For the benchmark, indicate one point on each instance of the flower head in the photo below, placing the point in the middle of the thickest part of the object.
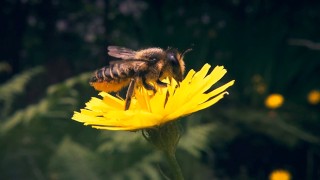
(148, 110)
(314, 97)
(280, 175)
(274, 101)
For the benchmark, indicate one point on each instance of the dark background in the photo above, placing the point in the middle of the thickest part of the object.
(50, 48)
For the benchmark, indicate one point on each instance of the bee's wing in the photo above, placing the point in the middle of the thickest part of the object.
(129, 61)
(121, 52)
(130, 65)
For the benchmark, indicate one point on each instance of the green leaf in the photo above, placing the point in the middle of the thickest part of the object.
(73, 161)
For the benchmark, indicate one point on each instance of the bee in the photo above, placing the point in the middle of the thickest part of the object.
(146, 67)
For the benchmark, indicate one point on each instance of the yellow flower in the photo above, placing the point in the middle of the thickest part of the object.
(280, 175)
(168, 104)
(274, 101)
(314, 97)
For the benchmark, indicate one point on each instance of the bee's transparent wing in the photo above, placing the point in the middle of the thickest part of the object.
(129, 65)
(121, 52)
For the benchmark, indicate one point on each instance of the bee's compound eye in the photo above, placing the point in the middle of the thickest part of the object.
(172, 58)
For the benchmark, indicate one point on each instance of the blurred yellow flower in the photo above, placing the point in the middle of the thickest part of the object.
(168, 104)
(314, 97)
(280, 175)
(274, 101)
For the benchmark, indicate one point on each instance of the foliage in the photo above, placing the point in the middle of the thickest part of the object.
(16, 86)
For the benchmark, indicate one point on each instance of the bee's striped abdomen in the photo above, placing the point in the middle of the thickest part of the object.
(111, 78)
(103, 74)
(99, 75)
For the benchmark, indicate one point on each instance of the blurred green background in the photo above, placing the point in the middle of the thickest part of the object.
(49, 48)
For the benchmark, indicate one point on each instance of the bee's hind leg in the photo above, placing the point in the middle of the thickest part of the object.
(129, 94)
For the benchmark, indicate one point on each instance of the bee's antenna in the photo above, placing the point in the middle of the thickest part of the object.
(185, 52)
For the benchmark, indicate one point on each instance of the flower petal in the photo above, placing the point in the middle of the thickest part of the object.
(108, 99)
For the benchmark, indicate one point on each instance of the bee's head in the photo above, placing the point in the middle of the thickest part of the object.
(175, 59)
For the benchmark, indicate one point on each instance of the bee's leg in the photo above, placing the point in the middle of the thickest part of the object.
(148, 86)
(118, 96)
(161, 84)
(166, 100)
(129, 94)
(178, 84)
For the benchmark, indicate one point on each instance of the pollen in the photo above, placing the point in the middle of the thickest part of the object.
(111, 86)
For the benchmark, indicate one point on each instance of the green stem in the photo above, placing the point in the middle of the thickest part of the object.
(174, 166)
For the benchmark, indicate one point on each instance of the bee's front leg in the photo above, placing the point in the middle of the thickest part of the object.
(129, 94)
(161, 84)
(148, 86)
